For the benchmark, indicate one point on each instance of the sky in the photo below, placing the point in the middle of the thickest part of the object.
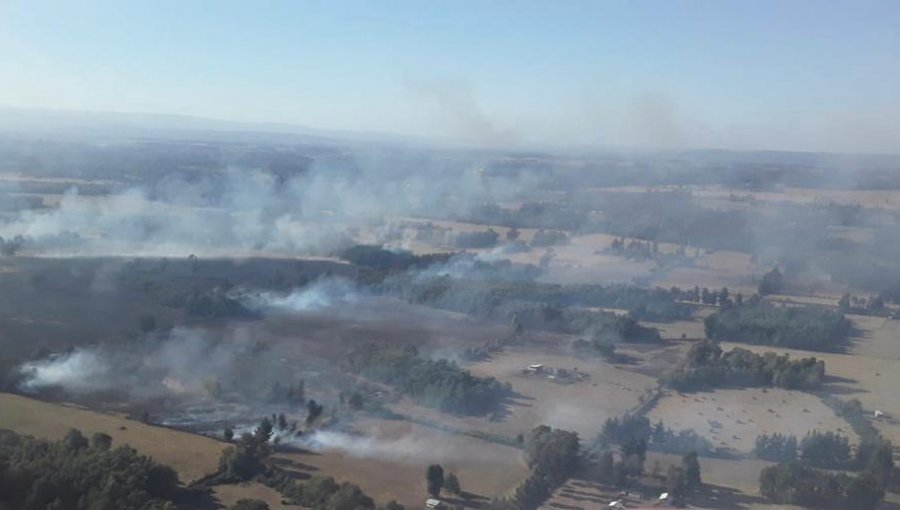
(781, 75)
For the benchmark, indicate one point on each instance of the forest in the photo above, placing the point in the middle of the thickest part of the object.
(439, 384)
(762, 323)
(78, 473)
(707, 367)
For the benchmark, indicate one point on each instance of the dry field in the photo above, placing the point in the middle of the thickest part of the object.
(716, 270)
(733, 418)
(878, 337)
(191, 455)
(389, 462)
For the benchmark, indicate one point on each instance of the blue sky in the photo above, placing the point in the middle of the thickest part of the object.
(784, 74)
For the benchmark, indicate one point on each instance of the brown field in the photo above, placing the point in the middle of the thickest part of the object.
(191, 455)
(733, 418)
(390, 462)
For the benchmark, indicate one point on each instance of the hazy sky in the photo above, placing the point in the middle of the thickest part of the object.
(813, 75)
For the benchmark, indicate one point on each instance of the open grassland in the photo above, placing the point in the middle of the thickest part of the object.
(191, 455)
(733, 418)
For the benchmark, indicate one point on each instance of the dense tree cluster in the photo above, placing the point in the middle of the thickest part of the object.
(800, 327)
(776, 447)
(793, 483)
(323, 493)
(434, 479)
(78, 474)
(631, 428)
(553, 456)
(249, 504)
(683, 479)
(828, 450)
(440, 384)
(771, 282)
(649, 216)
(287, 394)
(604, 326)
(873, 305)
(247, 458)
(216, 304)
(705, 296)
(708, 367)
(544, 238)
(9, 247)
(477, 239)
(376, 257)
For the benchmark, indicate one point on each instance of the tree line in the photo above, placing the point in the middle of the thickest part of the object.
(793, 483)
(604, 326)
(497, 296)
(435, 383)
(639, 432)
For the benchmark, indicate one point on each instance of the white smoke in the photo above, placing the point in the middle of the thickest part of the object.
(403, 448)
(80, 371)
(185, 362)
(324, 293)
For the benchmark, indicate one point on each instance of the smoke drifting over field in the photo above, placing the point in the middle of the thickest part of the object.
(187, 361)
(82, 370)
(309, 212)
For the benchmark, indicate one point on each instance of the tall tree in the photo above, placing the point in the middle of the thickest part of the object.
(691, 466)
(434, 477)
